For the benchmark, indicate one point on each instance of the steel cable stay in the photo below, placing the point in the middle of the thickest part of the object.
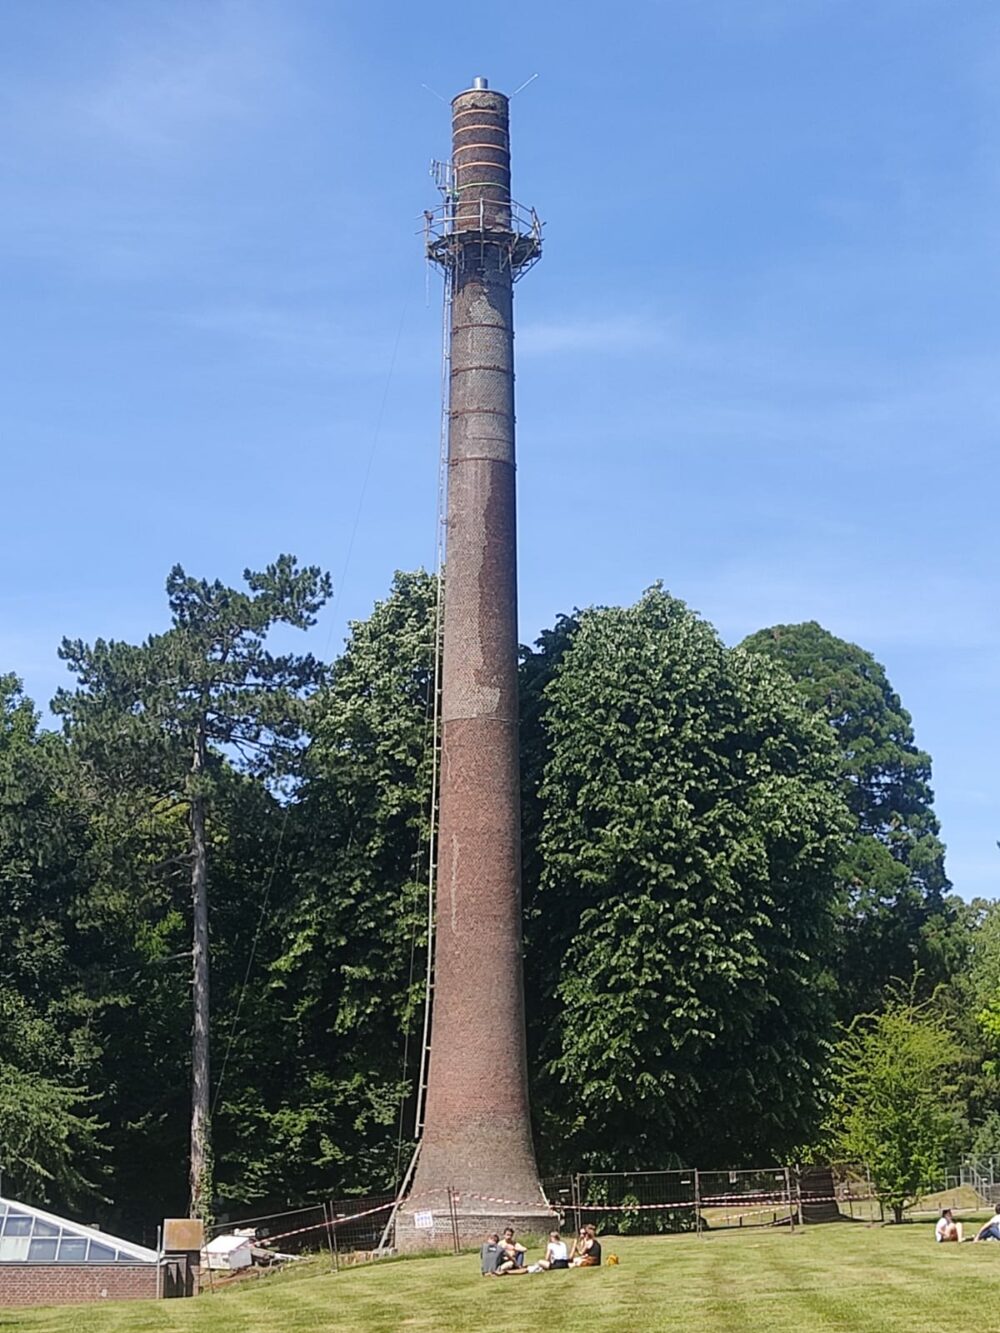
(441, 539)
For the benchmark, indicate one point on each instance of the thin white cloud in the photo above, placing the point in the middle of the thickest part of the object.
(676, 381)
(163, 79)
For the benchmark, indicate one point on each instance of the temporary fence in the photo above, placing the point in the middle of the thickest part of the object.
(628, 1202)
(618, 1202)
(662, 1202)
(693, 1199)
(344, 1228)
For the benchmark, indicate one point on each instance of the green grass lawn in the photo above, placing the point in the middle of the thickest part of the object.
(838, 1276)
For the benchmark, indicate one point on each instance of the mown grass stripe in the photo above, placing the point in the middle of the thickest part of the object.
(826, 1279)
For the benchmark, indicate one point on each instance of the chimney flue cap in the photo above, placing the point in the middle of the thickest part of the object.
(480, 83)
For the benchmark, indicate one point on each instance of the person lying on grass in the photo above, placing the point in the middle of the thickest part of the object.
(947, 1228)
(586, 1249)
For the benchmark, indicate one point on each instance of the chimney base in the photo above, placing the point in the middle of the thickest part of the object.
(531, 1227)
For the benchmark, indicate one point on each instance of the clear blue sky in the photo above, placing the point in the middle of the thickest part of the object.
(758, 360)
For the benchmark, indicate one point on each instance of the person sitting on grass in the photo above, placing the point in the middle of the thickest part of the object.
(947, 1228)
(555, 1255)
(990, 1230)
(508, 1239)
(586, 1249)
(488, 1254)
(508, 1261)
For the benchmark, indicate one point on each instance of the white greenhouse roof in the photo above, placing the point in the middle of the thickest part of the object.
(31, 1236)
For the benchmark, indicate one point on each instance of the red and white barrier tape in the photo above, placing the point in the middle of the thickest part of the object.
(726, 1201)
(327, 1222)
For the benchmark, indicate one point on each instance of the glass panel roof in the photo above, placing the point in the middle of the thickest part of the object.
(41, 1251)
(29, 1235)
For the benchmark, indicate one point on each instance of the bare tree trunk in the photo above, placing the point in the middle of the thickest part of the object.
(201, 1161)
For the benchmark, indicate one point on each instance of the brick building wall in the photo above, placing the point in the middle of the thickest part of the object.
(68, 1284)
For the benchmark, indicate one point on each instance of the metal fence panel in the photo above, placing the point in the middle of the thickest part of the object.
(639, 1203)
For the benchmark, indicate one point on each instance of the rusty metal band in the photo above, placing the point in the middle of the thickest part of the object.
(479, 412)
(479, 717)
(491, 439)
(491, 185)
(500, 111)
(464, 370)
(499, 128)
(457, 328)
(483, 458)
(490, 148)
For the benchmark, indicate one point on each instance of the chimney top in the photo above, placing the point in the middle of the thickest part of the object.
(480, 83)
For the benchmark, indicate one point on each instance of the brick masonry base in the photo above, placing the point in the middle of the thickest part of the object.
(69, 1284)
(531, 1229)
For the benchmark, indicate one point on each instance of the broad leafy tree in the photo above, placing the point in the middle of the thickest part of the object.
(973, 1001)
(48, 1138)
(680, 897)
(897, 913)
(894, 1105)
(690, 820)
(340, 977)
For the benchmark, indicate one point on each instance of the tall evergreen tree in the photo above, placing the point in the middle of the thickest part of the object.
(170, 714)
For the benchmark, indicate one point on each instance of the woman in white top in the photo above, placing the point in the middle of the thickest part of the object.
(556, 1255)
(947, 1228)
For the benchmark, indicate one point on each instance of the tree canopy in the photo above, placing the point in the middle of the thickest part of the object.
(723, 849)
(894, 1105)
(897, 916)
(47, 1135)
(680, 917)
(172, 715)
(341, 975)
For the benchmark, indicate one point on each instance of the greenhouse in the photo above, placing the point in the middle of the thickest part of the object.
(48, 1259)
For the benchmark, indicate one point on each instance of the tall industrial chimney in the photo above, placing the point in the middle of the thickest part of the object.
(477, 1133)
